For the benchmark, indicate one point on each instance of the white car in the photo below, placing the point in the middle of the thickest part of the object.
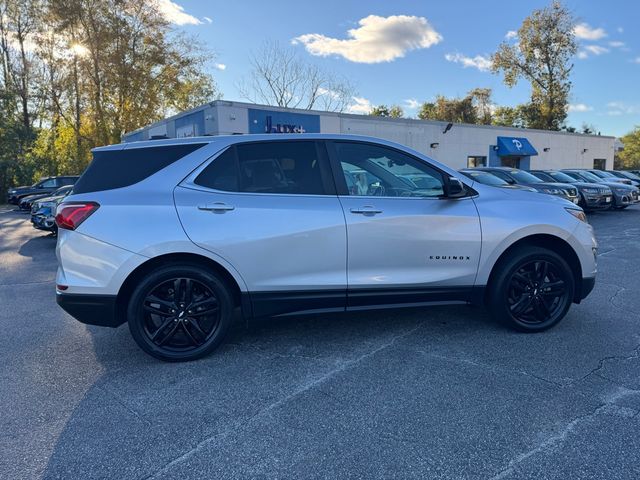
(171, 236)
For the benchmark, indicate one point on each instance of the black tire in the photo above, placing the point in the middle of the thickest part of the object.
(531, 289)
(180, 312)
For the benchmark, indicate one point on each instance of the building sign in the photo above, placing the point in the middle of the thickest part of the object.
(267, 121)
(515, 147)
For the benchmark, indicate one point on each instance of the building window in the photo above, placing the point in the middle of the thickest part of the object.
(473, 162)
(600, 163)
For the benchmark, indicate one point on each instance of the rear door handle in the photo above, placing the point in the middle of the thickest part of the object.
(216, 207)
(366, 210)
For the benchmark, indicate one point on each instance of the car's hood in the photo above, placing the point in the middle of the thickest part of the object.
(518, 187)
(524, 194)
(617, 185)
(23, 188)
(550, 185)
(55, 198)
(590, 185)
(34, 196)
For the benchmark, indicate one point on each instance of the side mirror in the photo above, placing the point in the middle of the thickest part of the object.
(454, 188)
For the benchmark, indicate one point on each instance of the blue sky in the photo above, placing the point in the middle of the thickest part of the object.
(407, 51)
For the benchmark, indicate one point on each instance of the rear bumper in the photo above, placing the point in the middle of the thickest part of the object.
(91, 309)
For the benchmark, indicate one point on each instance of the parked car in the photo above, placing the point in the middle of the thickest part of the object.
(268, 224)
(635, 179)
(608, 176)
(515, 176)
(26, 202)
(46, 186)
(487, 178)
(635, 172)
(43, 211)
(592, 196)
(623, 195)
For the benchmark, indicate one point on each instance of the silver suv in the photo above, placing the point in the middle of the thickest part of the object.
(171, 236)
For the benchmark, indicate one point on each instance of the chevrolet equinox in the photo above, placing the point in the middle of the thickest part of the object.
(170, 236)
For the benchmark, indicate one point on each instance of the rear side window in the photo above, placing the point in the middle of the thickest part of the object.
(270, 167)
(120, 168)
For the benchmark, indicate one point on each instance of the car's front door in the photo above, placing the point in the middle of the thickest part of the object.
(406, 242)
(270, 209)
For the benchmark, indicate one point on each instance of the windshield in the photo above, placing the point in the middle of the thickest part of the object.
(484, 177)
(561, 177)
(631, 176)
(524, 177)
(588, 176)
(601, 174)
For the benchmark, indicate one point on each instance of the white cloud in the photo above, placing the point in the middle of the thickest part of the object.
(585, 32)
(174, 13)
(411, 103)
(636, 60)
(616, 44)
(480, 62)
(596, 49)
(361, 105)
(219, 66)
(511, 34)
(207, 19)
(579, 107)
(589, 50)
(620, 108)
(620, 30)
(377, 39)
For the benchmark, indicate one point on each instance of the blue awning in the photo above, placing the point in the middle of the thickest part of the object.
(515, 147)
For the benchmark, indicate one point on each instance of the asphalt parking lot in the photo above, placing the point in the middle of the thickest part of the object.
(432, 393)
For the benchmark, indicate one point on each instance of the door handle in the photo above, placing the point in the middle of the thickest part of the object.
(366, 210)
(216, 207)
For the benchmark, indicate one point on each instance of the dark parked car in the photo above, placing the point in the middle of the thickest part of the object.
(47, 185)
(487, 178)
(635, 179)
(623, 195)
(592, 196)
(26, 202)
(608, 176)
(514, 176)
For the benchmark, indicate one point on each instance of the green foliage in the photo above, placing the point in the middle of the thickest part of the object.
(394, 111)
(542, 56)
(630, 155)
(475, 107)
(100, 68)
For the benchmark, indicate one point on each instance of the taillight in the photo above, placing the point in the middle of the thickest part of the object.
(70, 215)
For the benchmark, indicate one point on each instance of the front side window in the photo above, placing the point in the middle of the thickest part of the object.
(270, 167)
(50, 183)
(372, 170)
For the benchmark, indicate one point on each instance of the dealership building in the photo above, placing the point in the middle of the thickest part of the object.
(457, 145)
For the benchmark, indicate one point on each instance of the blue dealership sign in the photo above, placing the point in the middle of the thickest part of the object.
(515, 147)
(269, 121)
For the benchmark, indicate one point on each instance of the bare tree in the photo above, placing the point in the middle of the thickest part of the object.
(280, 77)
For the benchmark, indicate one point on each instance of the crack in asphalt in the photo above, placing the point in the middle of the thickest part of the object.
(559, 438)
(296, 393)
(601, 362)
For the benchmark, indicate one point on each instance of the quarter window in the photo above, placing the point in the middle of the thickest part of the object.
(270, 167)
(371, 170)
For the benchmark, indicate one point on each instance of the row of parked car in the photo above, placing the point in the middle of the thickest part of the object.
(591, 189)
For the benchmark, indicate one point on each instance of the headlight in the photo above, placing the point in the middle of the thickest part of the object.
(578, 213)
(552, 191)
(11, 192)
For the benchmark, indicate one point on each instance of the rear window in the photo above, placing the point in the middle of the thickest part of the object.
(111, 169)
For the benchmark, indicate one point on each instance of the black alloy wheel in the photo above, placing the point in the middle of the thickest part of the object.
(180, 313)
(537, 292)
(532, 289)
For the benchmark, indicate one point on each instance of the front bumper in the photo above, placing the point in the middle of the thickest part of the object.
(43, 222)
(91, 309)
(598, 202)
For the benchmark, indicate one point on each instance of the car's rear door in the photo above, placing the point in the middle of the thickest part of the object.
(406, 243)
(270, 209)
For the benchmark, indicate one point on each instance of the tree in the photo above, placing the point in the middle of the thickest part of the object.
(481, 98)
(630, 155)
(280, 77)
(395, 111)
(460, 110)
(542, 56)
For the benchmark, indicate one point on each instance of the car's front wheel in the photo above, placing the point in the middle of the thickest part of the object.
(180, 312)
(532, 289)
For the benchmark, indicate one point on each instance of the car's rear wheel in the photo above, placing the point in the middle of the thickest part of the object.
(180, 312)
(532, 289)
